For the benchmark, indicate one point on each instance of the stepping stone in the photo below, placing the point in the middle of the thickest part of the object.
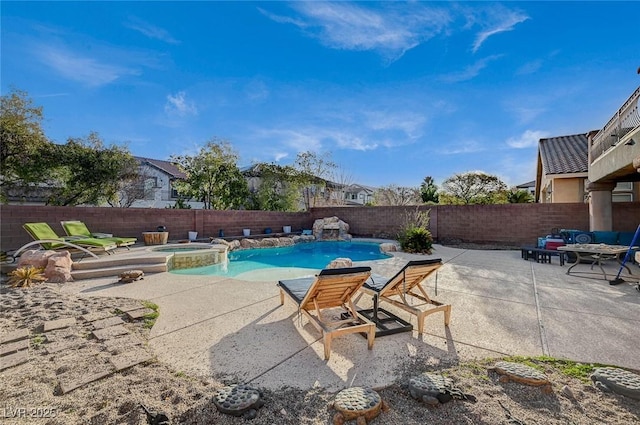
(138, 313)
(12, 347)
(14, 359)
(238, 400)
(130, 307)
(52, 325)
(129, 359)
(15, 336)
(105, 323)
(115, 345)
(67, 387)
(111, 332)
(96, 315)
(619, 381)
(523, 374)
(63, 345)
(357, 403)
(434, 389)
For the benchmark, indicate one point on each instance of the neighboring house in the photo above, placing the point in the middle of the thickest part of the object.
(562, 169)
(355, 194)
(563, 172)
(614, 158)
(530, 187)
(158, 178)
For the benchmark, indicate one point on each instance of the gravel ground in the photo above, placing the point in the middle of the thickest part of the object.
(116, 399)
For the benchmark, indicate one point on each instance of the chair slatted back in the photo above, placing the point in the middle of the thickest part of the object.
(334, 290)
(408, 278)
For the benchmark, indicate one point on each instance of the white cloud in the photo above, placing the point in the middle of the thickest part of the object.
(469, 72)
(256, 91)
(529, 67)
(150, 30)
(527, 139)
(495, 21)
(352, 26)
(465, 147)
(279, 156)
(178, 106)
(86, 70)
(409, 123)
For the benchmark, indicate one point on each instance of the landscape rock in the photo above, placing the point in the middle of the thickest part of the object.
(331, 228)
(249, 243)
(35, 258)
(339, 263)
(388, 247)
(58, 269)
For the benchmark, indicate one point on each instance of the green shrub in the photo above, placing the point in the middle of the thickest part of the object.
(416, 239)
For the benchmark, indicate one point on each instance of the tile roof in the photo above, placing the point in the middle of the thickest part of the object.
(526, 185)
(564, 154)
(166, 166)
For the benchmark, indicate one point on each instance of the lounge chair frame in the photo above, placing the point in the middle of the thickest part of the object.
(333, 288)
(48, 239)
(77, 228)
(405, 286)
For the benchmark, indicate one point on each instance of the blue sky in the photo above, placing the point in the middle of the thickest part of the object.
(394, 91)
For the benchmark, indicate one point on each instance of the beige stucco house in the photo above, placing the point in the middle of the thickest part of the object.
(599, 167)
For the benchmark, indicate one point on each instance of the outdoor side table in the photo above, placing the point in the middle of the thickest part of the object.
(596, 253)
(155, 238)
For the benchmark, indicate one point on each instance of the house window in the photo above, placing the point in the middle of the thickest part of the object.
(623, 192)
(622, 197)
(623, 187)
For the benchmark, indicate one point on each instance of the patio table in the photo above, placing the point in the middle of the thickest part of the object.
(596, 253)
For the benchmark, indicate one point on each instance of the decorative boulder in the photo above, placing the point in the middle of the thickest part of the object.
(284, 241)
(235, 244)
(340, 263)
(35, 258)
(388, 247)
(131, 276)
(249, 243)
(331, 228)
(269, 242)
(58, 268)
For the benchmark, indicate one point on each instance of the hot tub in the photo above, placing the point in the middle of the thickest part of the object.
(190, 255)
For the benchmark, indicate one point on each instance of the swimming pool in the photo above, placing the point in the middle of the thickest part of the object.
(284, 262)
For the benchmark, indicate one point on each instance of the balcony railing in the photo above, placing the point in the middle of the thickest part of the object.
(623, 122)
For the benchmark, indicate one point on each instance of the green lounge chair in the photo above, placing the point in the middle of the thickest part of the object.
(48, 239)
(78, 228)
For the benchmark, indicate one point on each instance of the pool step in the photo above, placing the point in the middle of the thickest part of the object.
(117, 260)
(114, 271)
(113, 265)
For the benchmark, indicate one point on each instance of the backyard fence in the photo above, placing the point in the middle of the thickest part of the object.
(509, 224)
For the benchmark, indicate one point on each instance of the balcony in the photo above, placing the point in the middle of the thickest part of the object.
(614, 147)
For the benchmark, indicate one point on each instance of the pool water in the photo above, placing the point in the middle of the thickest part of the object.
(312, 256)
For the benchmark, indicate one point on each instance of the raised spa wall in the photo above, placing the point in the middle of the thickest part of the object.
(199, 257)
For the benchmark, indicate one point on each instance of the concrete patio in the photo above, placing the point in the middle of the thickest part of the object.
(236, 330)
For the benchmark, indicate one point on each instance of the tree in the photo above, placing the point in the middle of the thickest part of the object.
(213, 176)
(396, 195)
(85, 172)
(429, 191)
(314, 170)
(278, 188)
(519, 197)
(129, 191)
(473, 188)
(22, 142)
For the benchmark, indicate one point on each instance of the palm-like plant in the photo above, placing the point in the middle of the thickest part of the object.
(24, 277)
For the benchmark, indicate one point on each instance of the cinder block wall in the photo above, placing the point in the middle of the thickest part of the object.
(134, 221)
(511, 224)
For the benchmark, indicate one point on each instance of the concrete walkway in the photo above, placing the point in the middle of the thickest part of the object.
(236, 330)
